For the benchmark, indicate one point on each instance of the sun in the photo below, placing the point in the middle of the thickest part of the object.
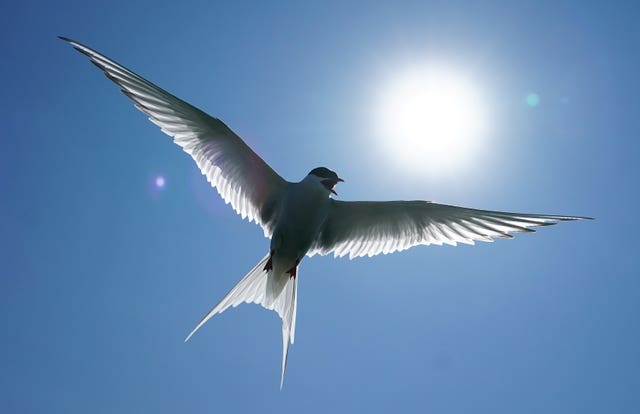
(432, 119)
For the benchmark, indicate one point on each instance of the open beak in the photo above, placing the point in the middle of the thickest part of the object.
(340, 180)
(329, 184)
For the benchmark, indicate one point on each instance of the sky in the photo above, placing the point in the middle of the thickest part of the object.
(103, 272)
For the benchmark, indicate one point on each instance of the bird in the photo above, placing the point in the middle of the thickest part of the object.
(300, 218)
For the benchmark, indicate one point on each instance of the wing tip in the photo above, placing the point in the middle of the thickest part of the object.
(76, 45)
(579, 218)
(558, 219)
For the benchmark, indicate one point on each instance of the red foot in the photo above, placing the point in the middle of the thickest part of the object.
(294, 270)
(269, 265)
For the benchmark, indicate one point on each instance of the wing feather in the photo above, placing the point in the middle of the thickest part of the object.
(368, 228)
(241, 177)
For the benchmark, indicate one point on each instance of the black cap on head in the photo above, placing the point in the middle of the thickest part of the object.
(323, 172)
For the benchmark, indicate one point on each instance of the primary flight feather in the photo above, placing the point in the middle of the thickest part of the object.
(300, 218)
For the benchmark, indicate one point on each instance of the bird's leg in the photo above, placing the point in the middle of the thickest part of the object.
(294, 270)
(269, 265)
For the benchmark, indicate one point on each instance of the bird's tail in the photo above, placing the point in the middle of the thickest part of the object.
(274, 290)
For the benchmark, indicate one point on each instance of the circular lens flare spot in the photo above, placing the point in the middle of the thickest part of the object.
(532, 99)
(160, 182)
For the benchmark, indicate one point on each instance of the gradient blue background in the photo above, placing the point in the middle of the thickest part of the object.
(102, 277)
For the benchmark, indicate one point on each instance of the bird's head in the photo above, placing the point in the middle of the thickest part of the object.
(326, 177)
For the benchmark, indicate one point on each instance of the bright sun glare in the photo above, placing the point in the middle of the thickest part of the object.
(432, 120)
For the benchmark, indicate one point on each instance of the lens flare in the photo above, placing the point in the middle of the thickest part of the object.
(532, 99)
(160, 182)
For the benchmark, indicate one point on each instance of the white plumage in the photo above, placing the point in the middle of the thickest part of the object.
(254, 288)
(368, 228)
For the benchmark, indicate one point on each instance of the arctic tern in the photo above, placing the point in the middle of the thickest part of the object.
(301, 219)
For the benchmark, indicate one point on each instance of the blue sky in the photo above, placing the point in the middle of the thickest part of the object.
(102, 276)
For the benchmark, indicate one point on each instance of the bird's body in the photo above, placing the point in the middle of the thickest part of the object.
(304, 209)
(301, 218)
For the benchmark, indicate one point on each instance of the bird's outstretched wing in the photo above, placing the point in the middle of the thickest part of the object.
(368, 228)
(241, 177)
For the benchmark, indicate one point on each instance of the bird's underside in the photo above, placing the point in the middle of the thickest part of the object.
(258, 193)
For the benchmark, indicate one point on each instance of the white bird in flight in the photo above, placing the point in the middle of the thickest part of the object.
(301, 219)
